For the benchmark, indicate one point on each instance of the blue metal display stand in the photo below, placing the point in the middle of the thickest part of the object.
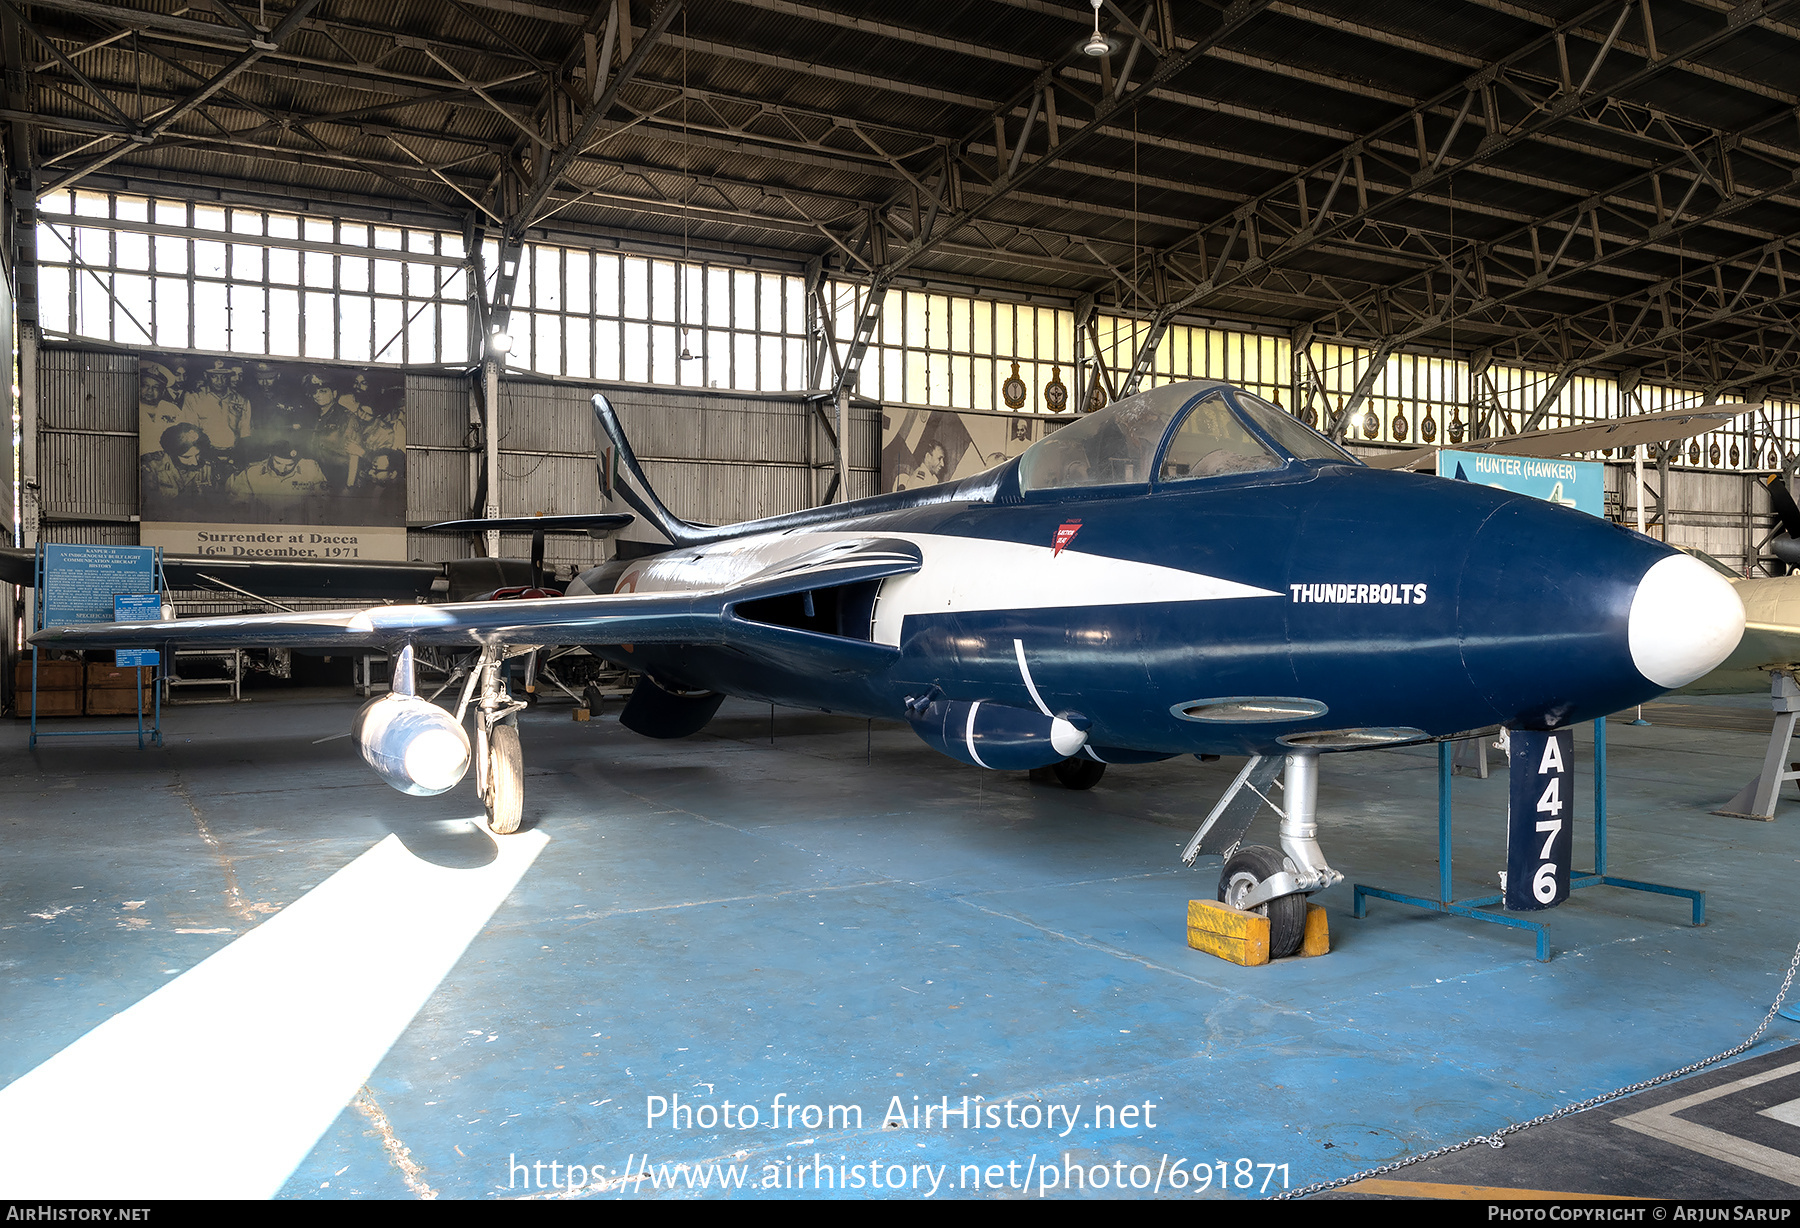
(41, 613)
(1472, 908)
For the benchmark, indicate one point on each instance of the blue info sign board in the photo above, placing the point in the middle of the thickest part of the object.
(98, 584)
(80, 582)
(137, 608)
(1570, 483)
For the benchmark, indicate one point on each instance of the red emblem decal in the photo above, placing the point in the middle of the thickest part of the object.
(1064, 535)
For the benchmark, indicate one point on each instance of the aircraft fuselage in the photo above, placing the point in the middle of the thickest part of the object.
(1380, 599)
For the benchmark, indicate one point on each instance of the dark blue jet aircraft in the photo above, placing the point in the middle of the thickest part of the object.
(1188, 571)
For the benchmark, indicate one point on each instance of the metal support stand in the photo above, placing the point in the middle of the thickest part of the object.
(1758, 799)
(230, 659)
(362, 673)
(145, 737)
(1471, 908)
(1471, 757)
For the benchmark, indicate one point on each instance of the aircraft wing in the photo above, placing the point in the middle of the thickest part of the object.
(701, 616)
(343, 579)
(1765, 647)
(1768, 645)
(1628, 432)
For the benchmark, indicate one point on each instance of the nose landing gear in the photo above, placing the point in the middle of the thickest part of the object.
(1255, 877)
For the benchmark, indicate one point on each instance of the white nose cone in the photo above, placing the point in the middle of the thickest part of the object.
(1685, 619)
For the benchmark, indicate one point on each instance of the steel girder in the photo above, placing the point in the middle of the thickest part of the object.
(1697, 185)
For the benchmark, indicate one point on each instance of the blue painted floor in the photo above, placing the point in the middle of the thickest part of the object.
(843, 918)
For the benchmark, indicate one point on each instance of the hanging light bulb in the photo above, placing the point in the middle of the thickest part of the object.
(1097, 45)
(685, 355)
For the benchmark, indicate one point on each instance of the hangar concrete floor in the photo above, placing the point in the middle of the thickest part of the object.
(285, 978)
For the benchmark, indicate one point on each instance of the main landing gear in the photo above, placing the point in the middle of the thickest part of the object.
(1075, 772)
(499, 766)
(1255, 877)
(1078, 772)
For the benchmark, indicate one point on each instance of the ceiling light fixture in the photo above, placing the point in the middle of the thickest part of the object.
(1097, 44)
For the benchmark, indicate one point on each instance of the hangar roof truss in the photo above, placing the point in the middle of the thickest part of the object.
(1605, 187)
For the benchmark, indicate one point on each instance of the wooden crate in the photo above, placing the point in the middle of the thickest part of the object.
(116, 677)
(58, 684)
(117, 701)
(49, 703)
(51, 676)
(1230, 933)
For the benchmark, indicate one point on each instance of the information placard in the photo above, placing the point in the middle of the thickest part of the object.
(1568, 483)
(80, 582)
(137, 608)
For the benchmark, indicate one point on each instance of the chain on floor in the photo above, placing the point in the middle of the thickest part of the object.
(1498, 1137)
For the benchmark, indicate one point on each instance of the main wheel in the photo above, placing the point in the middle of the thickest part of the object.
(1078, 773)
(1248, 868)
(506, 780)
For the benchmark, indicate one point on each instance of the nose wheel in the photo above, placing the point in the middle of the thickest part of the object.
(1249, 868)
(1257, 878)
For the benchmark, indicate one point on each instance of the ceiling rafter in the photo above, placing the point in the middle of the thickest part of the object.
(1248, 159)
(1633, 209)
(1437, 160)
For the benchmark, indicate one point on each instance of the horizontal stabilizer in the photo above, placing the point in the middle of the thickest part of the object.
(597, 524)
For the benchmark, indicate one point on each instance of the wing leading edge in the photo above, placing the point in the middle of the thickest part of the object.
(703, 616)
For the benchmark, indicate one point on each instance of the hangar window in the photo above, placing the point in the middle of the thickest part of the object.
(180, 274)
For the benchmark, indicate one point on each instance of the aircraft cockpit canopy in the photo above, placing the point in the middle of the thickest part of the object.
(1121, 444)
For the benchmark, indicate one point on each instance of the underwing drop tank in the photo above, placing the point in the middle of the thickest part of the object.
(416, 746)
(992, 735)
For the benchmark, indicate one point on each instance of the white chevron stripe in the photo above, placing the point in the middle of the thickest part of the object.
(966, 574)
(959, 574)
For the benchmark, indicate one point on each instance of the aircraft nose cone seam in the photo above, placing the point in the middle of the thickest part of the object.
(1685, 619)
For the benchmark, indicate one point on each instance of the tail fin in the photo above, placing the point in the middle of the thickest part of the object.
(618, 471)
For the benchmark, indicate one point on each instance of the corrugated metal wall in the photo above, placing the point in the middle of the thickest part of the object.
(437, 463)
(87, 444)
(714, 457)
(1707, 510)
(7, 342)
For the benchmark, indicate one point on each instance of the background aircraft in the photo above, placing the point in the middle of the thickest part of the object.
(1627, 432)
(364, 579)
(1189, 571)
